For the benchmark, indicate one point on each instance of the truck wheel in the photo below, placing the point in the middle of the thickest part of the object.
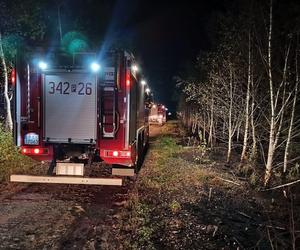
(141, 153)
(51, 167)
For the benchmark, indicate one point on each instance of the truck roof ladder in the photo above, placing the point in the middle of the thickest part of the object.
(109, 125)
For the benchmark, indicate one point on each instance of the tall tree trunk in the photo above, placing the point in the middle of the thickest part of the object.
(210, 137)
(288, 141)
(245, 142)
(9, 122)
(204, 128)
(271, 148)
(254, 141)
(214, 135)
(238, 132)
(230, 115)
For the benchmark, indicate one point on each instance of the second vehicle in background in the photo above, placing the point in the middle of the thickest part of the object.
(158, 114)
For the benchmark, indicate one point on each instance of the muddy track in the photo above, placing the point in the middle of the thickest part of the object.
(60, 216)
(50, 216)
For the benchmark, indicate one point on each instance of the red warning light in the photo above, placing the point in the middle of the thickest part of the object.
(128, 79)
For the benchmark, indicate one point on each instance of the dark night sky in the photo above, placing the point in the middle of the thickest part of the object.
(164, 36)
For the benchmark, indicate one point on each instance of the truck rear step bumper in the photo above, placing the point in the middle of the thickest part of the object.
(123, 171)
(66, 180)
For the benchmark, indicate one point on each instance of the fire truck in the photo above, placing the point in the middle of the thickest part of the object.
(157, 114)
(73, 110)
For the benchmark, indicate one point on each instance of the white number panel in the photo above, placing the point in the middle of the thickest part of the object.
(70, 107)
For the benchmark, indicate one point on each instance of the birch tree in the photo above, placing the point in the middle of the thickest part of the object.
(293, 109)
(230, 132)
(272, 146)
(9, 122)
(245, 142)
(277, 111)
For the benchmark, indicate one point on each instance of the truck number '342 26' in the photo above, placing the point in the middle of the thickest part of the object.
(66, 88)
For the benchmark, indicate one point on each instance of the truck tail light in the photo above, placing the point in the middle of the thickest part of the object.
(117, 153)
(35, 151)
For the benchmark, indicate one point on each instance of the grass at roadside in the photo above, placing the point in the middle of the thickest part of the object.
(162, 191)
(186, 198)
(11, 160)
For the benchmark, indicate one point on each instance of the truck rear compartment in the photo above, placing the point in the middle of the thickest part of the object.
(70, 107)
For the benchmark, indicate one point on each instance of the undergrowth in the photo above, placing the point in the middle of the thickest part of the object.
(11, 160)
(185, 197)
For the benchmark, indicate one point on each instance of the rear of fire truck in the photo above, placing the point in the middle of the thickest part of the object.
(73, 110)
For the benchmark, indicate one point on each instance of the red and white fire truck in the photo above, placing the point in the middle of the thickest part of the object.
(157, 114)
(74, 109)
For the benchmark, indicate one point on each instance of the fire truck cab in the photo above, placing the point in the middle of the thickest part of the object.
(71, 109)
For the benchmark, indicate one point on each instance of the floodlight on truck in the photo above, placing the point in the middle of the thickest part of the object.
(95, 67)
(135, 68)
(42, 65)
(143, 82)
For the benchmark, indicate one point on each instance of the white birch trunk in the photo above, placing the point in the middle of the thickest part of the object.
(254, 142)
(9, 122)
(204, 128)
(245, 142)
(288, 141)
(238, 132)
(271, 148)
(254, 139)
(210, 137)
(230, 116)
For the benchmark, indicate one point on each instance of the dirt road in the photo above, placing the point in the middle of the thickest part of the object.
(183, 198)
(43, 216)
(60, 217)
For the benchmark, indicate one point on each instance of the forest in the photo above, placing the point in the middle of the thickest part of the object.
(244, 92)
